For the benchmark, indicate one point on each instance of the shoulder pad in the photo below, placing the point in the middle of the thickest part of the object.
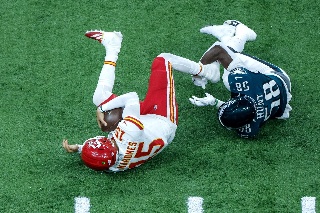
(134, 121)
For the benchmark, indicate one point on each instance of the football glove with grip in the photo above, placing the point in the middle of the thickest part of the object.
(208, 100)
(199, 81)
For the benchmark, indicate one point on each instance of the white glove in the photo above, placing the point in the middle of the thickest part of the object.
(208, 100)
(199, 81)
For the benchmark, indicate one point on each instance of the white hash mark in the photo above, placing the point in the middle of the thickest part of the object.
(195, 205)
(308, 204)
(82, 205)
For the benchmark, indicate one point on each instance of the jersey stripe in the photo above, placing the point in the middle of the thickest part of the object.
(112, 96)
(134, 121)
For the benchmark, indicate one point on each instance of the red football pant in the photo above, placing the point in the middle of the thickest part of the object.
(160, 98)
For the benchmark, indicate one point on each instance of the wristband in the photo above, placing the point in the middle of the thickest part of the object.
(80, 148)
(100, 108)
(215, 102)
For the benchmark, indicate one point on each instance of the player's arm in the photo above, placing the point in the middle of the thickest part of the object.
(222, 53)
(129, 102)
(120, 101)
(71, 147)
(205, 101)
(218, 52)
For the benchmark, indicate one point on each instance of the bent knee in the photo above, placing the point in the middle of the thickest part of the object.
(166, 56)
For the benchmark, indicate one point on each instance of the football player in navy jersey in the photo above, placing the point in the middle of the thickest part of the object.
(259, 89)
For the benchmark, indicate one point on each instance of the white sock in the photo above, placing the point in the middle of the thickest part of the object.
(182, 64)
(105, 83)
(111, 55)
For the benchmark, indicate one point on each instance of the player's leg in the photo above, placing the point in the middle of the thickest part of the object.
(112, 43)
(221, 54)
(209, 58)
(242, 34)
(160, 98)
(222, 32)
(209, 71)
(232, 33)
(218, 53)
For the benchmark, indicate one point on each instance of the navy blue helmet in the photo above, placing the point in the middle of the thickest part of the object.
(237, 112)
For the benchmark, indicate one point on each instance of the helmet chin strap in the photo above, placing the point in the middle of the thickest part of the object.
(113, 141)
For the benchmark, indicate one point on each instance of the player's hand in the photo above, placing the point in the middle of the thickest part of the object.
(208, 100)
(199, 81)
(68, 147)
(100, 118)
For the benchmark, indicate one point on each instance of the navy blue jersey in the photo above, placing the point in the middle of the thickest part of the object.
(266, 90)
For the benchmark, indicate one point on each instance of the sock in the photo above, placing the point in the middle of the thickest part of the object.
(105, 83)
(182, 64)
(111, 55)
(107, 74)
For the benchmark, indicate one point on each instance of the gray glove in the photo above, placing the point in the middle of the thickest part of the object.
(199, 81)
(208, 100)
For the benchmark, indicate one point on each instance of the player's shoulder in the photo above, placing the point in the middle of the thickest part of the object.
(238, 76)
(133, 122)
(130, 128)
(239, 71)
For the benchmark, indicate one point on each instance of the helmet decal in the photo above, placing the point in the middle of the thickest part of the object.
(95, 144)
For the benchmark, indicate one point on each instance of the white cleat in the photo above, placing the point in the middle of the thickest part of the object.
(111, 40)
(219, 31)
(242, 30)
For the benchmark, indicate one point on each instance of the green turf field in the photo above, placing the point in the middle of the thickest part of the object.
(49, 71)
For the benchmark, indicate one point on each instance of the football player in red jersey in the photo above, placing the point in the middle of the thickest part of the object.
(259, 90)
(147, 126)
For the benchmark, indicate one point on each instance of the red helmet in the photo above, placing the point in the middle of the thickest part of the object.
(99, 153)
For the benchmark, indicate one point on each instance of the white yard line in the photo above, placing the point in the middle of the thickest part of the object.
(308, 204)
(81, 205)
(195, 205)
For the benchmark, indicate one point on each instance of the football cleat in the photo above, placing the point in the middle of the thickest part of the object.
(232, 22)
(96, 35)
(219, 31)
(111, 40)
(242, 30)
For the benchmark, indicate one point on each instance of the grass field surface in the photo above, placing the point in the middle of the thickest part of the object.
(49, 71)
